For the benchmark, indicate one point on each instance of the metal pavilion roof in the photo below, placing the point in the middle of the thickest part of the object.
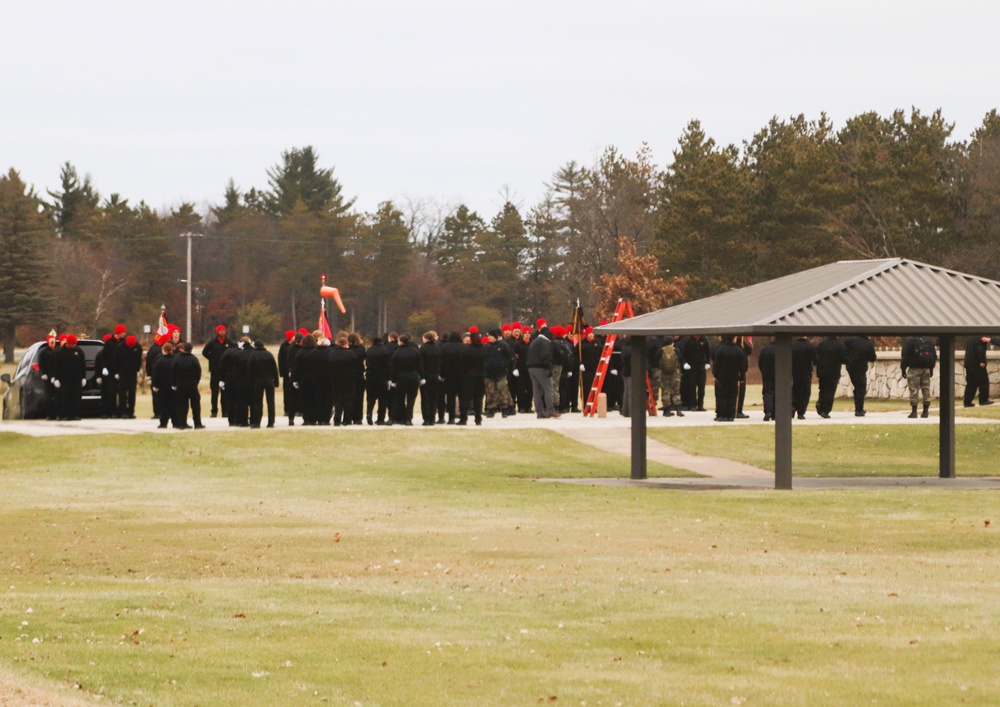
(887, 297)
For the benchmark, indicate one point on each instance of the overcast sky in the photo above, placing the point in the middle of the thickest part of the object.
(448, 100)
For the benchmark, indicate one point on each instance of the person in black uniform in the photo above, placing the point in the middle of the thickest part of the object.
(152, 353)
(745, 343)
(286, 355)
(47, 367)
(976, 376)
(765, 362)
(860, 352)
(213, 352)
(451, 366)
(263, 372)
(803, 360)
(357, 406)
(473, 368)
(729, 367)
(71, 372)
(377, 359)
(430, 392)
(108, 372)
(161, 384)
(304, 379)
(697, 356)
(831, 355)
(406, 370)
(185, 375)
(343, 366)
(242, 384)
(128, 362)
(522, 390)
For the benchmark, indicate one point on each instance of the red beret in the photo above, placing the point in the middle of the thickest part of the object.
(130, 341)
(540, 323)
(106, 337)
(558, 331)
(505, 327)
(473, 329)
(515, 325)
(220, 328)
(289, 335)
(62, 338)
(588, 330)
(70, 340)
(304, 331)
(120, 329)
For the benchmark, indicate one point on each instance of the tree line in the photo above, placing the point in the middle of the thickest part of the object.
(799, 193)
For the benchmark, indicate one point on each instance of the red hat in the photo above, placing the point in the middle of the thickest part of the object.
(540, 323)
(70, 340)
(304, 331)
(119, 329)
(558, 331)
(130, 341)
(171, 328)
(106, 337)
(289, 335)
(51, 335)
(159, 339)
(220, 329)
(515, 325)
(62, 338)
(588, 330)
(473, 329)
(505, 327)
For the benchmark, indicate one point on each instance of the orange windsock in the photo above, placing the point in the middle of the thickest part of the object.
(326, 291)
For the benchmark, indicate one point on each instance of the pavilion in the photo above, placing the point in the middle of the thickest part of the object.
(890, 297)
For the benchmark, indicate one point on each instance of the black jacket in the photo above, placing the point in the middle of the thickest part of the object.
(860, 352)
(261, 366)
(831, 355)
(430, 352)
(213, 352)
(186, 370)
(377, 359)
(128, 361)
(540, 353)
(803, 359)
(729, 364)
(406, 363)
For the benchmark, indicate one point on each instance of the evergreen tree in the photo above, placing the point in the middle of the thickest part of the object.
(75, 207)
(299, 178)
(26, 234)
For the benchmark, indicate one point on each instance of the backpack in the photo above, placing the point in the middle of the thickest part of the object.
(926, 356)
(668, 362)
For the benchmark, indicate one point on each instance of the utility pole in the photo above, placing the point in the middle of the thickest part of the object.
(189, 235)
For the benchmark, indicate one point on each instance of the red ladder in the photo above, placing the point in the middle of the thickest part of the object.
(622, 310)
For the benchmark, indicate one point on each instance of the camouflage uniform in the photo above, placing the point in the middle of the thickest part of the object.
(498, 396)
(919, 382)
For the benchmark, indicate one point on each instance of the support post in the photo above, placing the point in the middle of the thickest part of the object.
(946, 432)
(783, 412)
(638, 394)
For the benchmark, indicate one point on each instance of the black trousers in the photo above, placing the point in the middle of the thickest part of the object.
(827, 392)
(473, 390)
(377, 393)
(801, 392)
(263, 389)
(977, 379)
(187, 396)
(768, 395)
(726, 396)
(405, 399)
(126, 397)
(213, 383)
(290, 398)
(859, 380)
(429, 395)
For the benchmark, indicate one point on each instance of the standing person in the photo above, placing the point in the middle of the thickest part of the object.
(917, 362)
(451, 366)
(263, 371)
(213, 353)
(107, 383)
(304, 379)
(357, 405)
(185, 374)
(343, 365)
(976, 376)
(522, 389)
(697, 360)
(430, 392)
(831, 355)
(406, 370)
(729, 366)
(499, 361)
(242, 384)
(377, 359)
(539, 362)
(128, 362)
(745, 343)
(654, 356)
(108, 372)
(860, 352)
(765, 362)
(286, 355)
(161, 386)
(47, 367)
(590, 357)
(670, 378)
(391, 393)
(473, 378)
(803, 360)
(614, 388)
(71, 372)
(153, 353)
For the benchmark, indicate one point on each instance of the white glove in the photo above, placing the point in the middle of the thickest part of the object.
(156, 390)
(517, 373)
(295, 384)
(83, 383)
(173, 387)
(687, 366)
(222, 385)
(582, 368)
(391, 385)
(423, 382)
(570, 374)
(44, 377)
(104, 371)
(117, 377)
(56, 383)
(707, 366)
(99, 381)
(614, 371)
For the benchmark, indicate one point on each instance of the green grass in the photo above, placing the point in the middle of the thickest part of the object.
(170, 569)
(844, 450)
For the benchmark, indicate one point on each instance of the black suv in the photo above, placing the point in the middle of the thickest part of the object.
(25, 396)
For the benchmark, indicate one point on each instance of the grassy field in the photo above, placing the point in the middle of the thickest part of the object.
(180, 570)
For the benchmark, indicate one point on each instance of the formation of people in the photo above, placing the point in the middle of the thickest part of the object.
(513, 369)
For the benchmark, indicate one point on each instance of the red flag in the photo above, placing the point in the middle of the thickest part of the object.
(324, 324)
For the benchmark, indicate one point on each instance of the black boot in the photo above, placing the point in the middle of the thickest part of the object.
(927, 410)
(913, 412)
